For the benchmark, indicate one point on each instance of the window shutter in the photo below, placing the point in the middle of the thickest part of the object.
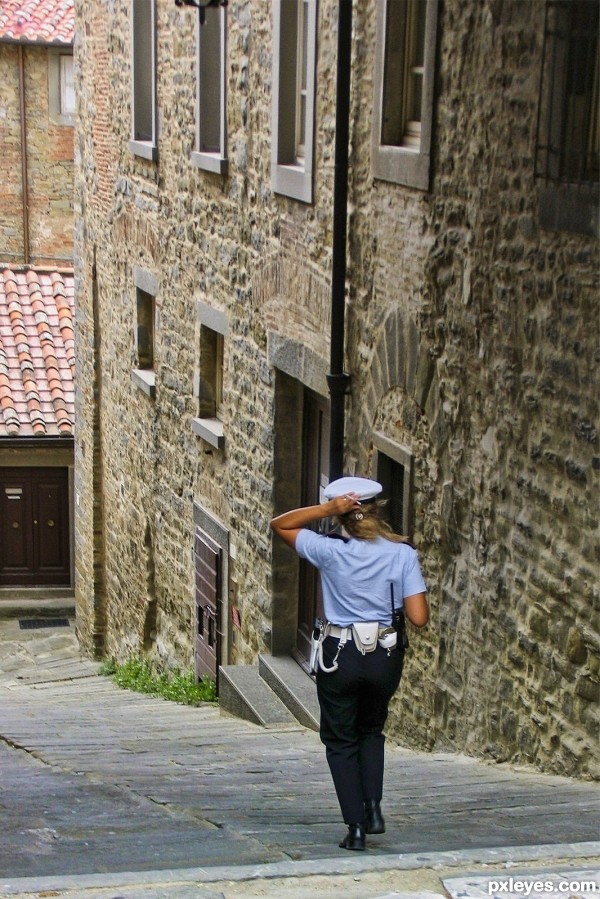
(207, 569)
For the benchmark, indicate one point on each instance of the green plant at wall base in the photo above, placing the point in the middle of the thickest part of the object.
(107, 668)
(136, 674)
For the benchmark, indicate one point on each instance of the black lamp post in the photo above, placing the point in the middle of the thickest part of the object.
(201, 5)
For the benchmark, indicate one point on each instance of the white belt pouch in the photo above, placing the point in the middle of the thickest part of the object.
(365, 635)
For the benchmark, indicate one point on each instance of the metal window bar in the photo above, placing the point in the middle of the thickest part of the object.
(567, 124)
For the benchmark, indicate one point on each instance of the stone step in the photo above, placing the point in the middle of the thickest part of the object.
(36, 603)
(295, 688)
(243, 693)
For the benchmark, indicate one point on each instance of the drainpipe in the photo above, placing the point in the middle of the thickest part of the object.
(337, 379)
(98, 518)
(25, 190)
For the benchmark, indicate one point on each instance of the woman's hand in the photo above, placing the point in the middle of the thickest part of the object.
(290, 523)
(341, 505)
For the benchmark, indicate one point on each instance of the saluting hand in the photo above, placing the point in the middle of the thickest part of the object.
(288, 525)
(341, 505)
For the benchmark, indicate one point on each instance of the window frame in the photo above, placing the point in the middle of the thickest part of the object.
(291, 174)
(210, 428)
(402, 456)
(65, 86)
(565, 203)
(211, 370)
(301, 82)
(55, 111)
(211, 161)
(145, 148)
(404, 164)
(146, 283)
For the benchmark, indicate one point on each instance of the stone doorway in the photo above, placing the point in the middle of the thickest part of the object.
(315, 467)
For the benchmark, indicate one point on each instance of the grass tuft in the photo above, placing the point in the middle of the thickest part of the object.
(137, 675)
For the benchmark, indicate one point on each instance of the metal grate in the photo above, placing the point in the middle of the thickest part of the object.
(567, 145)
(29, 624)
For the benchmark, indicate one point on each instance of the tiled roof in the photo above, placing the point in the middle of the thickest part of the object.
(37, 353)
(37, 21)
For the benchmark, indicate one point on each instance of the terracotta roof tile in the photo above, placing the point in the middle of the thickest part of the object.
(37, 21)
(37, 353)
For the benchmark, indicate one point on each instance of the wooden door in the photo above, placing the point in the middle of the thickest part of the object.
(34, 527)
(207, 567)
(315, 465)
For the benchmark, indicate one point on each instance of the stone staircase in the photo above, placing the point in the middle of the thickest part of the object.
(273, 693)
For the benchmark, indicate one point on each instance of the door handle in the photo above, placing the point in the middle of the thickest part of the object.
(50, 523)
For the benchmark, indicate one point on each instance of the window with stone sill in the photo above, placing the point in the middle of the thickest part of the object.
(568, 132)
(294, 61)
(210, 394)
(143, 79)
(403, 101)
(144, 373)
(213, 329)
(210, 152)
(394, 470)
(146, 288)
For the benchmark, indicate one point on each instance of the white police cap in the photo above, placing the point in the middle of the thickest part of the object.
(364, 487)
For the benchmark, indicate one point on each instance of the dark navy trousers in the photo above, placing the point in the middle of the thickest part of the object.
(354, 706)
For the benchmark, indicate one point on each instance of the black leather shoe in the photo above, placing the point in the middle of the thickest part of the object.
(355, 838)
(374, 822)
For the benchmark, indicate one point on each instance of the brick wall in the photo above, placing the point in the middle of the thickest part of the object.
(49, 160)
(469, 343)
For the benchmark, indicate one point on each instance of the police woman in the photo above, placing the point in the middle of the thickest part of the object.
(359, 575)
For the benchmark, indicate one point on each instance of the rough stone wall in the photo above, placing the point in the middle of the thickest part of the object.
(205, 238)
(49, 165)
(469, 343)
(10, 161)
(505, 438)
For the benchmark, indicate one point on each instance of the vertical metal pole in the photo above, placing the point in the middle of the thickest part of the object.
(24, 186)
(337, 379)
(99, 623)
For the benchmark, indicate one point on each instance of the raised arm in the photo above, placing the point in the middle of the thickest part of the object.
(290, 523)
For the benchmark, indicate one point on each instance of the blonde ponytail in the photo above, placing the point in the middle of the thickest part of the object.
(366, 523)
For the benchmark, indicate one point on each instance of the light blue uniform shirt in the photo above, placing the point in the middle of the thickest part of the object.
(356, 576)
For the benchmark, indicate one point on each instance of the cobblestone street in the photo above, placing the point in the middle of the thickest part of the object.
(98, 782)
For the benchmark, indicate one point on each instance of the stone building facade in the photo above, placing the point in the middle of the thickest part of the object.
(204, 258)
(37, 106)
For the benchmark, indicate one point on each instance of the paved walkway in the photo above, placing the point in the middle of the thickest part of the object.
(109, 793)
